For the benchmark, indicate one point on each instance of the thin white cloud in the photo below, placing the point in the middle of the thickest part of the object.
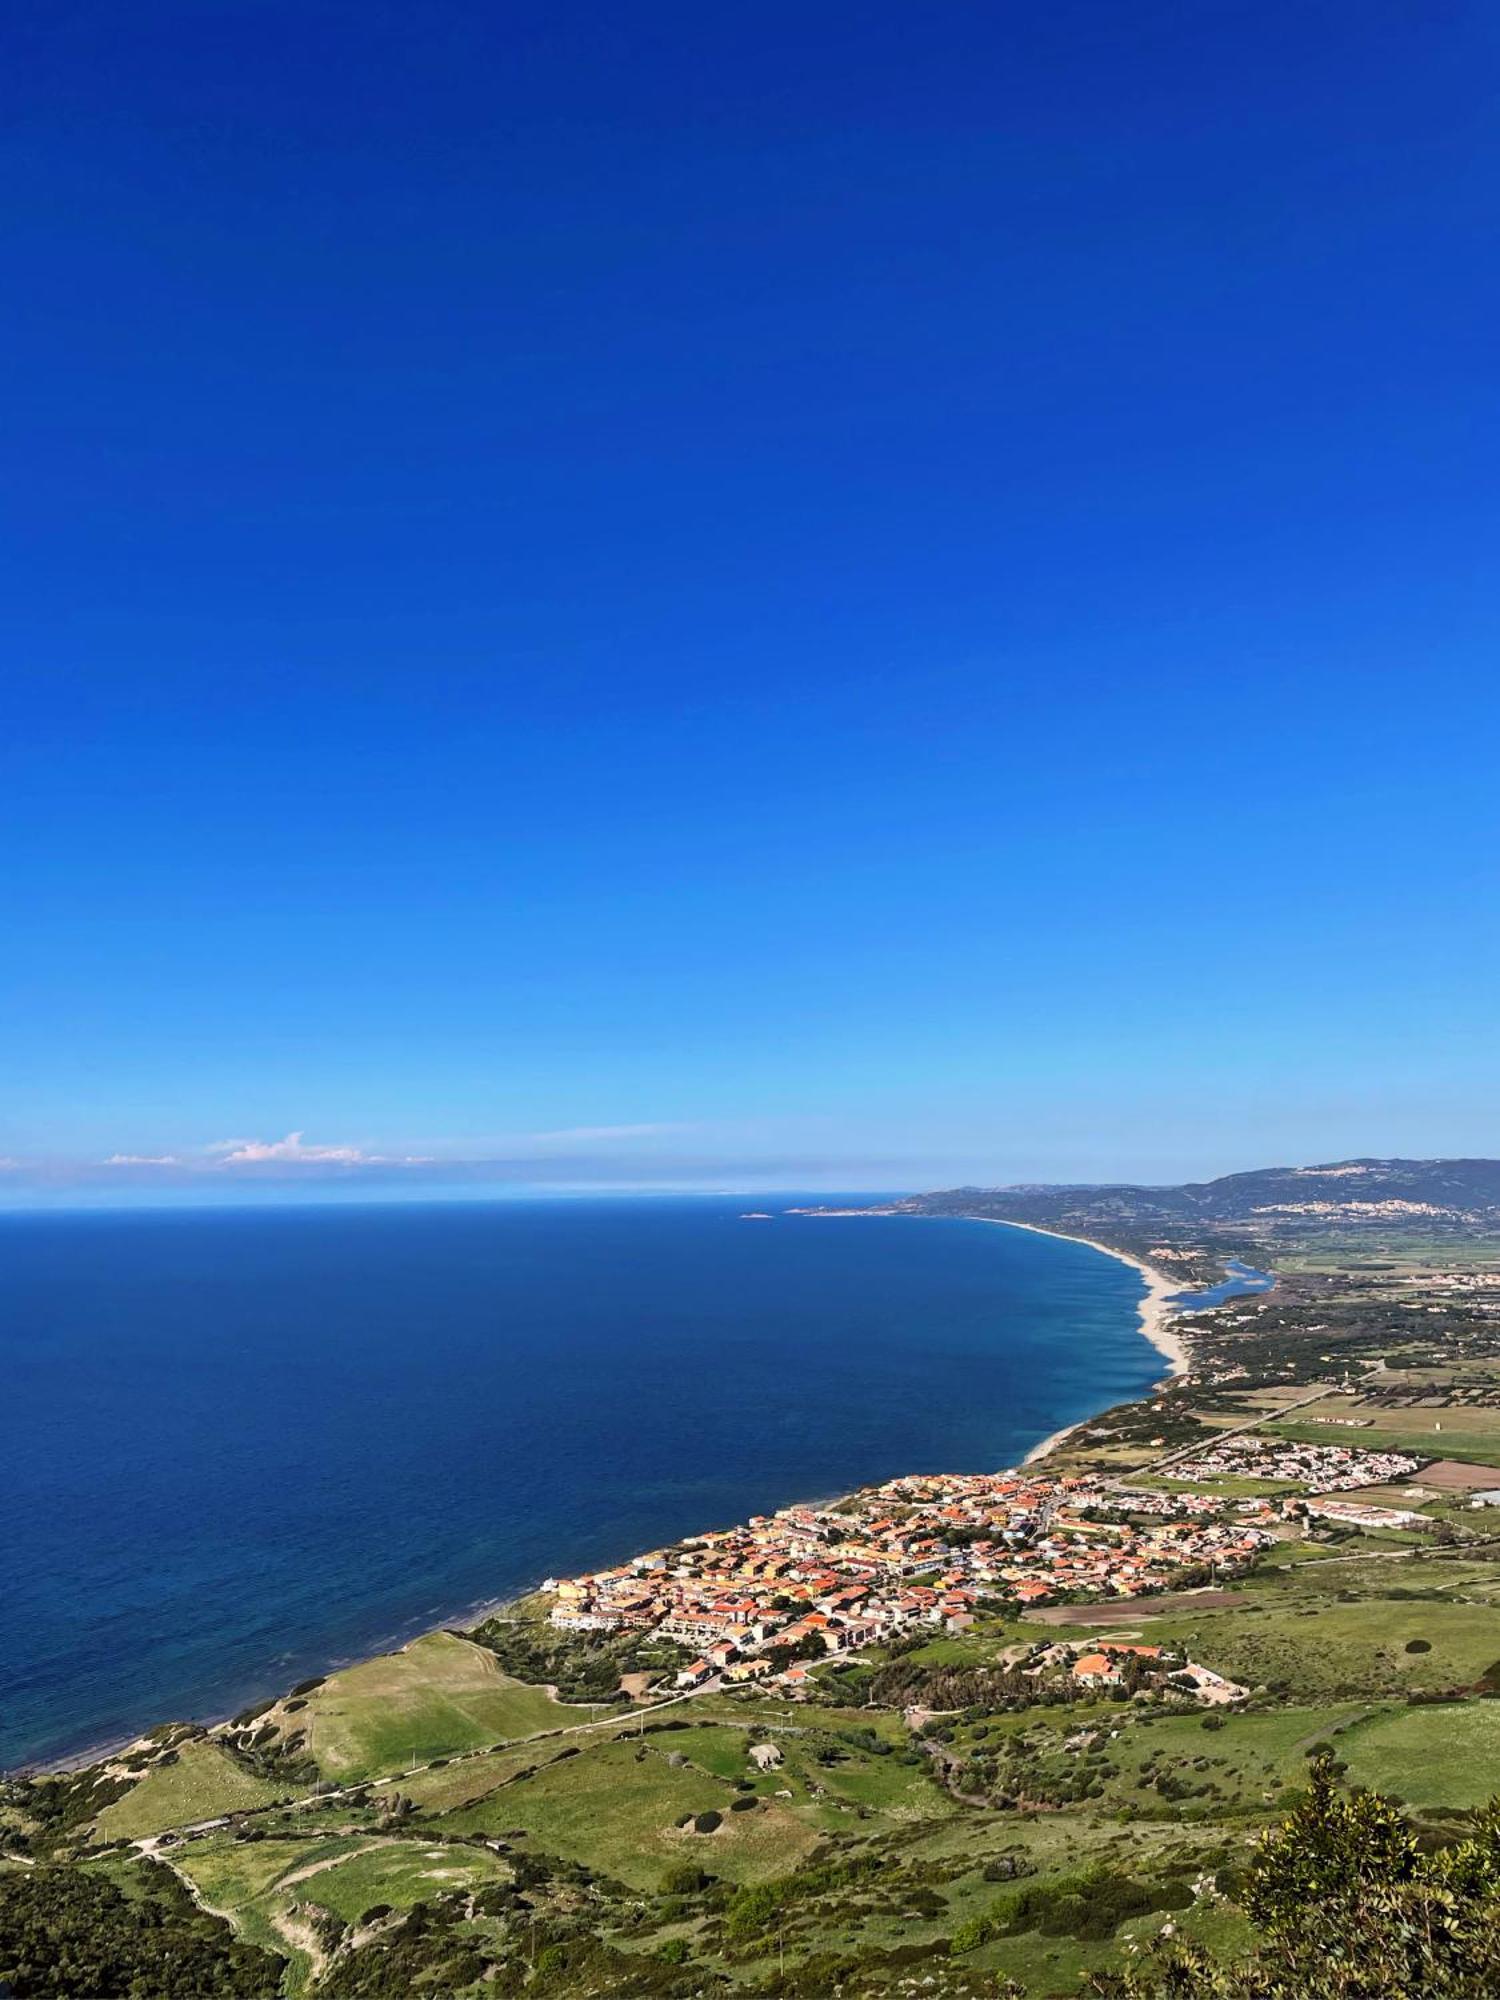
(294, 1150)
(144, 1160)
(252, 1152)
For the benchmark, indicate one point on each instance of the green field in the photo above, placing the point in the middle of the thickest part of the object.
(1331, 1631)
(1430, 1756)
(819, 1770)
(264, 1887)
(398, 1872)
(1481, 1446)
(203, 1783)
(474, 1777)
(438, 1697)
(616, 1810)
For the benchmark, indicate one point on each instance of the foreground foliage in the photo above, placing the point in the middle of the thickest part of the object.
(1350, 1907)
(71, 1931)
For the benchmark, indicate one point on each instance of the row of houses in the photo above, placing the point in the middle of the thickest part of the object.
(1318, 1468)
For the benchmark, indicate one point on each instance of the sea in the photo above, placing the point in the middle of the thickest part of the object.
(242, 1446)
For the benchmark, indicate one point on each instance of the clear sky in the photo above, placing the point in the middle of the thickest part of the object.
(853, 596)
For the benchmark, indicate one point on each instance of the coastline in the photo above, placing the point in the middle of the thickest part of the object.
(1153, 1310)
(1155, 1315)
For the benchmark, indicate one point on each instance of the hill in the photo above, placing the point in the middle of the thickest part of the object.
(1266, 1210)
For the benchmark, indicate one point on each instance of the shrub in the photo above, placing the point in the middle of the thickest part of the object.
(970, 1935)
(1419, 1645)
(708, 1822)
(65, 1931)
(685, 1880)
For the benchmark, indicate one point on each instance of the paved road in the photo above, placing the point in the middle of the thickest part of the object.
(1276, 1416)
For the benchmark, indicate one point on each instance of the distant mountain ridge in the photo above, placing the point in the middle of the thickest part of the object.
(1458, 1184)
(1263, 1206)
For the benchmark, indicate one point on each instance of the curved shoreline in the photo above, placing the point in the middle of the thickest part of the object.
(1153, 1311)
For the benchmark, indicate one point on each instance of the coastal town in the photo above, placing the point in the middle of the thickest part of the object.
(767, 1601)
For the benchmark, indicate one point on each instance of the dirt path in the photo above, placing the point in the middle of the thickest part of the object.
(302, 1939)
(305, 1874)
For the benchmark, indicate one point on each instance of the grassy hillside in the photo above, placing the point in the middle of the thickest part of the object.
(438, 1697)
(202, 1783)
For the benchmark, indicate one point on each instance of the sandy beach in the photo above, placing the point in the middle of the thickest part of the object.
(1156, 1314)
(1155, 1310)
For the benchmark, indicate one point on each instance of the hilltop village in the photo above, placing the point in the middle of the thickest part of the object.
(766, 1601)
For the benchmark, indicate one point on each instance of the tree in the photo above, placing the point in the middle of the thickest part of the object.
(1350, 1908)
(1333, 1845)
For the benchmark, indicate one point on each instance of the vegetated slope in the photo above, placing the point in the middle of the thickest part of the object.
(439, 1695)
(200, 1781)
(131, 1930)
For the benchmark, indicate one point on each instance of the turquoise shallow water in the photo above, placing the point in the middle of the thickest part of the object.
(243, 1445)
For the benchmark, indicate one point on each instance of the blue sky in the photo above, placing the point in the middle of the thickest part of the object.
(857, 597)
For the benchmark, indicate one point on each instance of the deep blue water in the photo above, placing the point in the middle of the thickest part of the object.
(1243, 1281)
(241, 1446)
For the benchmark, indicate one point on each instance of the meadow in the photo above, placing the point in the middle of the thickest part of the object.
(268, 1887)
(438, 1697)
(201, 1784)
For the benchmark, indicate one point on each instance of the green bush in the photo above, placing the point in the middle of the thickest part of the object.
(685, 1880)
(1350, 1906)
(970, 1935)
